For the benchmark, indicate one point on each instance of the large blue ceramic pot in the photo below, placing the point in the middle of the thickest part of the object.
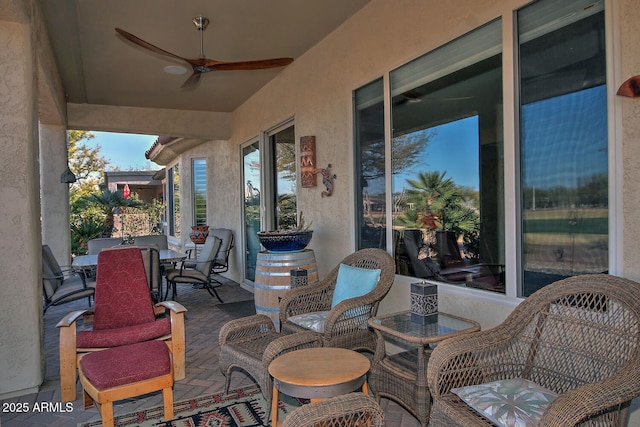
(285, 241)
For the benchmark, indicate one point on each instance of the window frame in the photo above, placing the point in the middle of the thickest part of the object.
(510, 116)
(197, 180)
(173, 202)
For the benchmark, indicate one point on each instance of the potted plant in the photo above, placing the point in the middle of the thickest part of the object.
(288, 240)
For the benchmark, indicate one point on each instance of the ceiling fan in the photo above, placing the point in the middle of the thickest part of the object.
(203, 65)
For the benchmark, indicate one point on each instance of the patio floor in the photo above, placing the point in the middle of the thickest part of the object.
(202, 323)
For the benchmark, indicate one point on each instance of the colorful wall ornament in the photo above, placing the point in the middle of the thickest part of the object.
(308, 161)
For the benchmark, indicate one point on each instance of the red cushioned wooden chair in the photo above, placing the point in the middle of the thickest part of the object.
(123, 314)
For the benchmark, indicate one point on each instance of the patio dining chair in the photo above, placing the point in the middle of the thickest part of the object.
(123, 314)
(61, 285)
(158, 240)
(94, 246)
(568, 355)
(221, 262)
(197, 272)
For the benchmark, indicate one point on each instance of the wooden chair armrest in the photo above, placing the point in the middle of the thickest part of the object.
(174, 306)
(71, 318)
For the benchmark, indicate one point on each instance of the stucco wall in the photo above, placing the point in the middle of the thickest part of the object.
(21, 360)
(379, 38)
(629, 21)
(55, 195)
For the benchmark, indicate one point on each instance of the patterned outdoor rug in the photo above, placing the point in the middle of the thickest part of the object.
(244, 407)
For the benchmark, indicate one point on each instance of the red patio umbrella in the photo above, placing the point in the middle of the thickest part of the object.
(126, 193)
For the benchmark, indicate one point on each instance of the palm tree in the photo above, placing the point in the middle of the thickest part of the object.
(111, 202)
(445, 199)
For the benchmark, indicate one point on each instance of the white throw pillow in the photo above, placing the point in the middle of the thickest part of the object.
(510, 403)
(314, 320)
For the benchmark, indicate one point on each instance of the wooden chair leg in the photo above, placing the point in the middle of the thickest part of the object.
(167, 397)
(106, 412)
(177, 345)
(86, 399)
(274, 406)
(68, 361)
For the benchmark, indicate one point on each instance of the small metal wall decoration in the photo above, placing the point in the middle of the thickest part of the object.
(424, 303)
(327, 179)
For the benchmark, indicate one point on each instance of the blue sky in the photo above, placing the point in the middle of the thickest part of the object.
(124, 150)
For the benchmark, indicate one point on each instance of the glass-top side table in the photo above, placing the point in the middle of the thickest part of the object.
(403, 347)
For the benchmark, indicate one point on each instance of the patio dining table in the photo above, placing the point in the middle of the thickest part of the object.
(89, 262)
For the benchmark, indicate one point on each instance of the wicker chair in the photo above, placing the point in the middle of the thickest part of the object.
(346, 324)
(353, 409)
(578, 337)
(251, 343)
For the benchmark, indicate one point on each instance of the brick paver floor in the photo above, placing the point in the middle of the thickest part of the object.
(203, 321)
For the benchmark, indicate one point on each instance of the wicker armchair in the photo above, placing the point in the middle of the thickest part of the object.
(353, 409)
(346, 324)
(578, 337)
(251, 343)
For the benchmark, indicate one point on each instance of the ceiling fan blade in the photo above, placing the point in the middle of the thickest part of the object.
(248, 65)
(147, 45)
(192, 80)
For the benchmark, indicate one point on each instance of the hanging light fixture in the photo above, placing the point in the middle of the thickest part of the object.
(67, 176)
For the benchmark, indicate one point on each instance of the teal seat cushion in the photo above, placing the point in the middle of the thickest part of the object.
(354, 282)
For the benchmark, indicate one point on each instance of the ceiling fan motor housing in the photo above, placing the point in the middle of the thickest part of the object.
(200, 22)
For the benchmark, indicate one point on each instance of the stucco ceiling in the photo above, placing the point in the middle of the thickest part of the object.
(98, 66)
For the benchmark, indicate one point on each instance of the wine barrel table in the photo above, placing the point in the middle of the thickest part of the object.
(273, 278)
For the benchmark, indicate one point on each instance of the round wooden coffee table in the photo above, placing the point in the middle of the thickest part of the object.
(317, 373)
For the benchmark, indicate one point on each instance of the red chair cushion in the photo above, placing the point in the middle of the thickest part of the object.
(123, 336)
(126, 364)
(122, 295)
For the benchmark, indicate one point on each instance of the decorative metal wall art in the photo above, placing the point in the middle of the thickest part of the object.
(630, 88)
(308, 161)
(327, 179)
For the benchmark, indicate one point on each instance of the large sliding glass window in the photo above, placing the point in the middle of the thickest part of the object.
(446, 173)
(199, 170)
(252, 185)
(563, 141)
(447, 162)
(270, 198)
(370, 166)
(282, 145)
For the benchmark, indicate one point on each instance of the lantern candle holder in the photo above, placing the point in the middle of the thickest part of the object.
(424, 303)
(299, 277)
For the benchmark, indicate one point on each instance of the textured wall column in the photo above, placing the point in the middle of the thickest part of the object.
(629, 19)
(21, 345)
(54, 194)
